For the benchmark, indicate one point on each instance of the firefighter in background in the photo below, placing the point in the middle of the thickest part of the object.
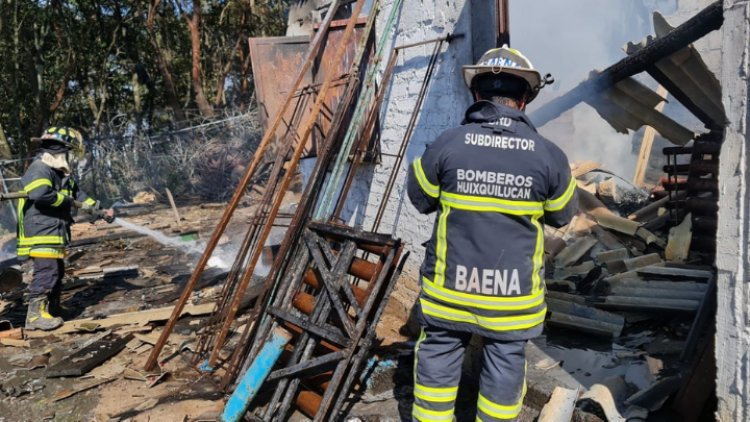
(44, 219)
(493, 182)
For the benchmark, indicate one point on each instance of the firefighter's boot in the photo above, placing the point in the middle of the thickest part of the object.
(38, 318)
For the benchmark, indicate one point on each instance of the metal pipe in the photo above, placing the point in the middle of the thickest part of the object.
(239, 193)
(502, 14)
(448, 38)
(253, 379)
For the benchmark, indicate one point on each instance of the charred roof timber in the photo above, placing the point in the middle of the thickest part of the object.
(709, 19)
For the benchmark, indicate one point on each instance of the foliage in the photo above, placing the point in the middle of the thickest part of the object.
(118, 68)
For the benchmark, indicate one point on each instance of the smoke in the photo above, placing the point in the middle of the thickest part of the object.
(570, 39)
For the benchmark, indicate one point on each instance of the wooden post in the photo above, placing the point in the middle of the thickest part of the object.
(648, 142)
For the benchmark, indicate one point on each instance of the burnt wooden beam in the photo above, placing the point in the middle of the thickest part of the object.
(90, 357)
(709, 19)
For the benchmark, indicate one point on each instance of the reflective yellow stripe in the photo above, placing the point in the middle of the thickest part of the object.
(560, 202)
(506, 323)
(90, 201)
(422, 336)
(427, 187)
(435, 394)
(23, 251)
(538, 258)
(59, 201)
(53, 253)
(482, 203)
(422, 414)
(41, 240)
(37, 184)
(498, 410)
(21, 205)
(441, 248)
(510, 303)
(65, 192)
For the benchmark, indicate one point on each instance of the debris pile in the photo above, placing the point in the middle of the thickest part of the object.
(614, 276)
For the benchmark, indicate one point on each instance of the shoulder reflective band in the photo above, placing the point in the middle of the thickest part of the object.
(59, 201)
(482, 203)
(559, 203)
(500, 303)
(427, 187)
(37, 184)
(506, 323)
(90, 201)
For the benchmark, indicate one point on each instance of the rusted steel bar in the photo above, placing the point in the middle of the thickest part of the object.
(297, 331)
(693, 185)
(367, 135)
(396, 169)
(709, 19)
(306, 202)
(238, 194)
(702, 167)
(309, 125)
(702, 206)
(502, 31)
(448, 38)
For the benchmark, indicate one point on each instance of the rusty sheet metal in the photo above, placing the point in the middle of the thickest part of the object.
(276, 61)
(687, 77)
(630, 105)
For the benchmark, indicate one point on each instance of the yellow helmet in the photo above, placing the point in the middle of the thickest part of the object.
(67, 137)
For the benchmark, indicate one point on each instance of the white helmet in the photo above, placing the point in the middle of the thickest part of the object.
(505, 60)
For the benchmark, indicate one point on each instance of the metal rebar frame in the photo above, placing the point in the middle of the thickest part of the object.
(332, 317)
(270, 135)
(326, 154)
(361, 147)
(396, 169)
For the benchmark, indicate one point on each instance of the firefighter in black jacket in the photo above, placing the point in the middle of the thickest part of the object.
(494, 181)
(44, 219)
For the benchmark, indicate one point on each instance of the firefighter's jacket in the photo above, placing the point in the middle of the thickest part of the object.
(494, 181)
(44, 218)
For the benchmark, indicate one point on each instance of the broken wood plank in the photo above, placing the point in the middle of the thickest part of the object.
(130, 318)
(64, 394)
(88, 358)
(678, 243)
(583, 168)
(575, 251)
(674, 273)
(11, 342)
(15, 334)
(647, 143)
(560, 406)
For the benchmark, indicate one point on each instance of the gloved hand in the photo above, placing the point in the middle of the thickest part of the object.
(108, 215)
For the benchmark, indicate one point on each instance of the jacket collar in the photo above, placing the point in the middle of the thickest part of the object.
(484, 111)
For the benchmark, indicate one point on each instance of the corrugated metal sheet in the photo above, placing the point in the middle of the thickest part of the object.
(687, 77)
(630, 105)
